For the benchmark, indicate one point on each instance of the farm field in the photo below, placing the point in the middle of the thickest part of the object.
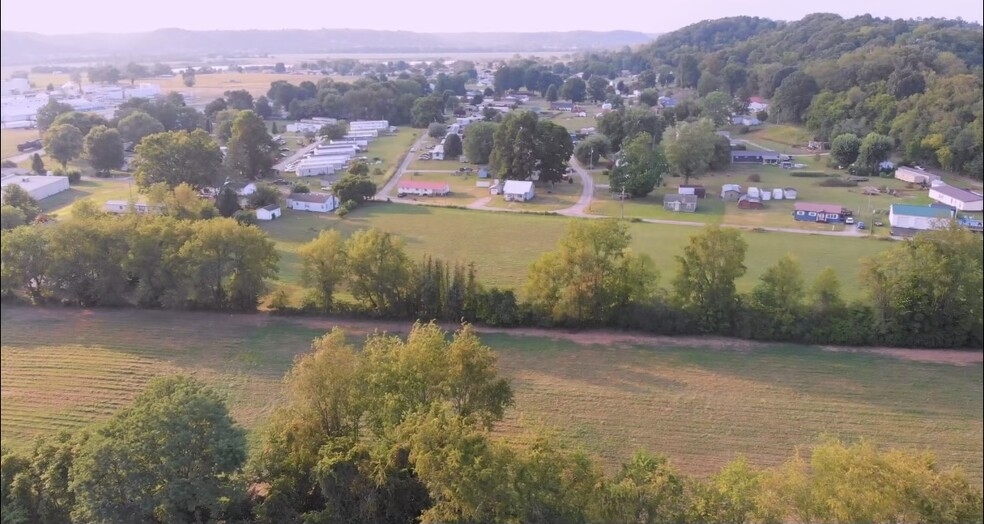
(701, 401)
(480, 237)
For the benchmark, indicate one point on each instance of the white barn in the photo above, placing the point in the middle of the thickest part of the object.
(317, 202)
(518, 190)
(914, 176)
(959, 199)
(269, 212)
(39, 187)
(917, 218)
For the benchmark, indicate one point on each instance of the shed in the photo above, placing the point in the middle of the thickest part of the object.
(317, 202)
(269, 212)
(697, 190)
(730, 192)
(777, 194)
(518, 190)
(789, 193)
(39, 187)
(680, 203)
(748, 202)
(906, 219)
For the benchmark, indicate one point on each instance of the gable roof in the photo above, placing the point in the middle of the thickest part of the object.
(818, 208)
(271, 207)
(921, 211)
(957, 194)
(517, 186)
(315, 198)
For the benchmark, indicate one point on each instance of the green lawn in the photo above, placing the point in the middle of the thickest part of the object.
(787, 136)
(700, 402)
(502, 245)
(97, 190)
(463, 188)
(437, 165)
(709, 210)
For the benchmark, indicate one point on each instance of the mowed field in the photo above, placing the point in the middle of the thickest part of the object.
(701, 401)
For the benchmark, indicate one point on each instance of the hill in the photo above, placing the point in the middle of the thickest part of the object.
(20, 47)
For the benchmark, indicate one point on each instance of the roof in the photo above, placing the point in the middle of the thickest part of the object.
(30, 183)
(730, 187)
(921, 211)
(753, 154)
(271, 207)
(517, 186)
(686, 199)
(422, 184)
(316, 198)
(957, 194)
(818, 208)
(756, 100)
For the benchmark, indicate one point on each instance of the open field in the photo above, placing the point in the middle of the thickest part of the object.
(9, 138)
(785, 136)
(97, 190)
(463, 189)
(701, 401)
(502, 245)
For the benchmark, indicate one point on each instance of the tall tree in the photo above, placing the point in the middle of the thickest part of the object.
(176, 157)
(251, 150)
(845, 148)
(716, 106)
(452, 146)
(479, 141)
(625, 123)
(239, 99)
(874, 150)
(552, 93)
(598, 88)
(49, 112)
(324, 266)
(689, 148)
(104, 149)
(134, 71)
(262, 107)
(379, 270)
(138, 125)
(63, 142)
(779, 294)
(513, 154)
(688, 72)
(166, 458)
(705, 283)
(426, 110)
(793, 97)
(592, 149)
(640, 168)
(213, 107)
(574, 89)
(83, 121)
(552, 148)
(37, 164)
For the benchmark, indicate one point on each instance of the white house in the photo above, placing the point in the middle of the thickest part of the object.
(914, 176)
(317, 202)
(518, 190)
(269, 212)
(422, 188)
(39, 187)
(123, 206)
(917, 218)
(959, 199)
(438, 152)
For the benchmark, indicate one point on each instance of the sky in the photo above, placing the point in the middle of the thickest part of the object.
(122, 16)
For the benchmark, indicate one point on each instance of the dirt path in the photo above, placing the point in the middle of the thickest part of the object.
(386, 191)
(587, 192)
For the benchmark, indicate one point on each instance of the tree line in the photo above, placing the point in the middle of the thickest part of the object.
(402, 431)
(924, 293)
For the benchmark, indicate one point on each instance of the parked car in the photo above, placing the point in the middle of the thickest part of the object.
(879, 223)
(849, 220)
(861, 225)
(281, 182)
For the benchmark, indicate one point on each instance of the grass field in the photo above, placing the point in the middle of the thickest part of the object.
(98, 190)
(699, 401)
(502, 245)
(9, 138)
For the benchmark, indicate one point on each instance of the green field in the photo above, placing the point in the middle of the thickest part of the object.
(502, 245)
(97, 190)
(701, 401)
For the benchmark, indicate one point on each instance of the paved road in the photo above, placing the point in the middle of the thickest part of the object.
(20, 157)
(580, 209)
(282, 165)
(387, 189)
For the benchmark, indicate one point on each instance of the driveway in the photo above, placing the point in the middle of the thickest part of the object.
(580, 209)
(299, 154)
(390, 185)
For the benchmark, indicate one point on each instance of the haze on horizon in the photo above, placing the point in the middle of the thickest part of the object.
(119, 16)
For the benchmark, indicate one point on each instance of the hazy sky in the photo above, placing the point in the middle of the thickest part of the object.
(85, 16)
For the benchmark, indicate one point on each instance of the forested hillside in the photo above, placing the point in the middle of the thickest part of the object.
(917, 81)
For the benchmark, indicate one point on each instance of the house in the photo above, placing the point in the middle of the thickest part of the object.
(907, 219)
(123, 206)
(745, 120)
(518, 190)
(317, 202)
(438, 152)
(496, 187)
(680, 203)
(696, 190)
(811, 212)
(562, 106)
(749, 202)
(755, 157)
(730, 192)
(666, 102)
(789, 193)
(959, 199)
(319, 166)
(269, 212)
(369, 125)
(39, 187)
(422, 188)
(756, 104)
(483, 173)
(915, 176)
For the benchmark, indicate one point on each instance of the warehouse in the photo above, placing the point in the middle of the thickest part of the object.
(907, 219)
(39, 187)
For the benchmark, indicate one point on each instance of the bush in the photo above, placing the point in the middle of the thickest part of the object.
(74, 175)
(837, 182)
(754, 178)
(810, 174)
(246, 217)
(301, 188)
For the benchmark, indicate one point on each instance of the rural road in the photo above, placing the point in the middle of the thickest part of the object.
(587, 192)
(385, 191)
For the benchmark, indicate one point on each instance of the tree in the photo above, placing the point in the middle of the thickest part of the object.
(591, 276)
(354, 188)
(251, 150)
(707, 84)
(874, 150)
(138, 125)
(324, 266)
(574, 89)
(598, 88)
(734, 77)
(689, 148)
(63, 142)
(105, 74)
(26, 261)
(705, 283)
(592, 149)
(264, 195)
(453, 146)
(176, 157)
(223, 125)
(37, 165)
(640, 168)
(104, 149)
(279, 67)
(647, 489)
(479, 141)
(552, 149)
(83, 121)
(717, 107)
(240, 99)
(262, 107)
(378, 270)
(824, 293)
(649, 97)
(844, 149)
(437, 130)
(134, 71)
(688, 73)
(213, 107)
(627, 122)
(335, 131)
(188, 77)
(793, 97)
(15, 196)
(166, 458)
(477, 100)
(227, 202)
(49, 112)
(551, 94)
(779, 294)
(513, 154)
(426, 110)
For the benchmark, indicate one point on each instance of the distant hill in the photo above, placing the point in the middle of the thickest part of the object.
(17, 47)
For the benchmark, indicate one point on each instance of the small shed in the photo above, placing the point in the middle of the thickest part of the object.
(777, 194)
(749, 202)
(730, 192)
(269, 212)
(697, 190)
(680, 203)
(789, 193)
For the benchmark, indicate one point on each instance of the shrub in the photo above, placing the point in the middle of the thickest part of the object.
(810, 174)
(837, 182)
(301, 188)
(754, 178)
(246, 217)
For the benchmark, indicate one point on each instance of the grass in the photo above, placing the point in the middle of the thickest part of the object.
(698, 404)
(784, 135)
(503, 245)
(709, 210)
(99, 191)
(437, 165)
(463, 189)
(548, 198)
(9, 138)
